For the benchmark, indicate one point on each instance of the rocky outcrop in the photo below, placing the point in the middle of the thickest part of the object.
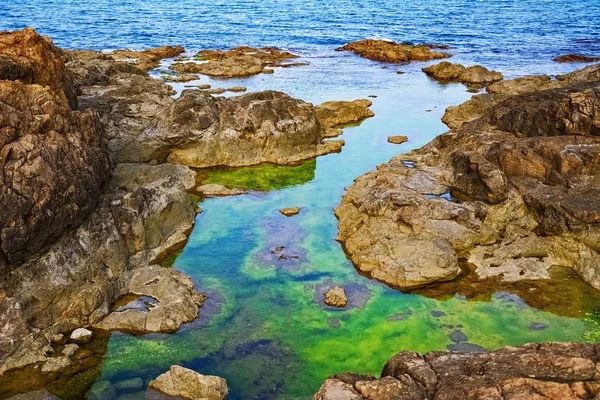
(236, 63)
(290, 211)
(54, 160)
(135, 225)
(575, 58)
(392, 52)
(533, 371)
(511, 193)
(187, 384)
(336, 297)
(200, 130)
(480, 104)
(476, 74)
(337, 114)
(149, 59)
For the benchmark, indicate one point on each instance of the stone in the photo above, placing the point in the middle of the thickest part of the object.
(336, 297)
(335, 114)
(388, 51)
(55, 364)
(397, 139)
(237, 62)
(334, 389)
(448, 72)
(237, 89)
(180, 79)
(188, 384)
(129, 385)
(176, 303)
(102, 390)
(290, 211)
(215, 91)
(147, 60)
(35, 395)
(215, 189)
(541, 371)
(81, 335)
(575, 58)
(70, 349)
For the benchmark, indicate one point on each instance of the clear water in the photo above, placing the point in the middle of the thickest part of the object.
(264, 327)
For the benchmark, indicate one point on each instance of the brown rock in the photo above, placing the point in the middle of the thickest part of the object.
(336, 297)
(448, 72)
(185, 383)
(290, 211)
(335, 114)
(237, 89)
(180, 79)
(214, 189)
(387, 51)
(397, 139)
(147, 60)
(575, 58)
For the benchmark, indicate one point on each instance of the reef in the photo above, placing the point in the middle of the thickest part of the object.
(392, 52)
(533, 371)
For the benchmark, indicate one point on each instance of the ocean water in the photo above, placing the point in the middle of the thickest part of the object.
(264, 327)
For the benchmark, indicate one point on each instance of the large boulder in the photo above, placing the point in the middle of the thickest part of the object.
(55, 160)
(512, 192)
(534, 371)
(476, 74)
(199, 130)
(388, 51)
(187, 384)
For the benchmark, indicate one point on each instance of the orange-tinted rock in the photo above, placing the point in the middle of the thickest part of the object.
(387, 51)
(147, 59)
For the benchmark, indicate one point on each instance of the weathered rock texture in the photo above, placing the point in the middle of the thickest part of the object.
(185, 383)
(513, 193)
(476, 74)
(200, 130)
(387, 51)
(480, 104)
(54, 160)
(147, 59)
(533, 371)
(238, 62)
(334, 115)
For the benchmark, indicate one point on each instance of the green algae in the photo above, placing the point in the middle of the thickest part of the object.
(262, 177)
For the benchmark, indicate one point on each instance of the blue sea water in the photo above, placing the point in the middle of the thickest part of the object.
(263, 327)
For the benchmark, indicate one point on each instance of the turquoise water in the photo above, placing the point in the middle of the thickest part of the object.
(264, 327)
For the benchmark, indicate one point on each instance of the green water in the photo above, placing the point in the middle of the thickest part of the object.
(264, 327)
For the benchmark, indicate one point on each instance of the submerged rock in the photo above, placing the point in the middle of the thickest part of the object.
(336, 297)
(388, 51)
(188, 384)
(290, 211)
(476, 74)
(544, 371)
(524, 177)
(236, 63)
(36, 395)
(214, 189)
(575, 58)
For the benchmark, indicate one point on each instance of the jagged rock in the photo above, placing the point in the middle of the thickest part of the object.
(81, 335)
(541, 371)
(587, 74)
(290, 211)
(575, 58)
(147, 59)
(476, 74)
(200, 131)
(214, 189)
(526, 175)
(55, 160)
(525, 84)
(188, 384)
(388, 51)
(336, 297)
(176, 302)
(238, 62)
(397, 139)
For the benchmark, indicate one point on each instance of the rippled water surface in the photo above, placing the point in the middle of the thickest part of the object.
(264, 327)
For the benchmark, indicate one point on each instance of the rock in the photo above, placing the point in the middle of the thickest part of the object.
(200, 131)
(55, 364)
(55, 160)
(148, 59)
(397, 139)
(36, 395)
(448, 72)
(388, 51)
(587, 74)
(81, 335)
(237, 89)
(129, 385)
(470, 110)
(336, 297)
(526, 84)
(526, 174)
(215, 91)
(541, 371)
(290, 211)
(214, 189)
(204, 86)
(188, 384)
(176, 303)
(335, 114)
(132, 176)
(70, 349)
(180, 79)
(102, 390)
(575, 58)
(236, 63)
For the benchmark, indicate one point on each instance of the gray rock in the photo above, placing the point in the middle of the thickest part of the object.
(36, 395)
(102, 390)
(188, 384)
(81, 335)
(129, 385)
